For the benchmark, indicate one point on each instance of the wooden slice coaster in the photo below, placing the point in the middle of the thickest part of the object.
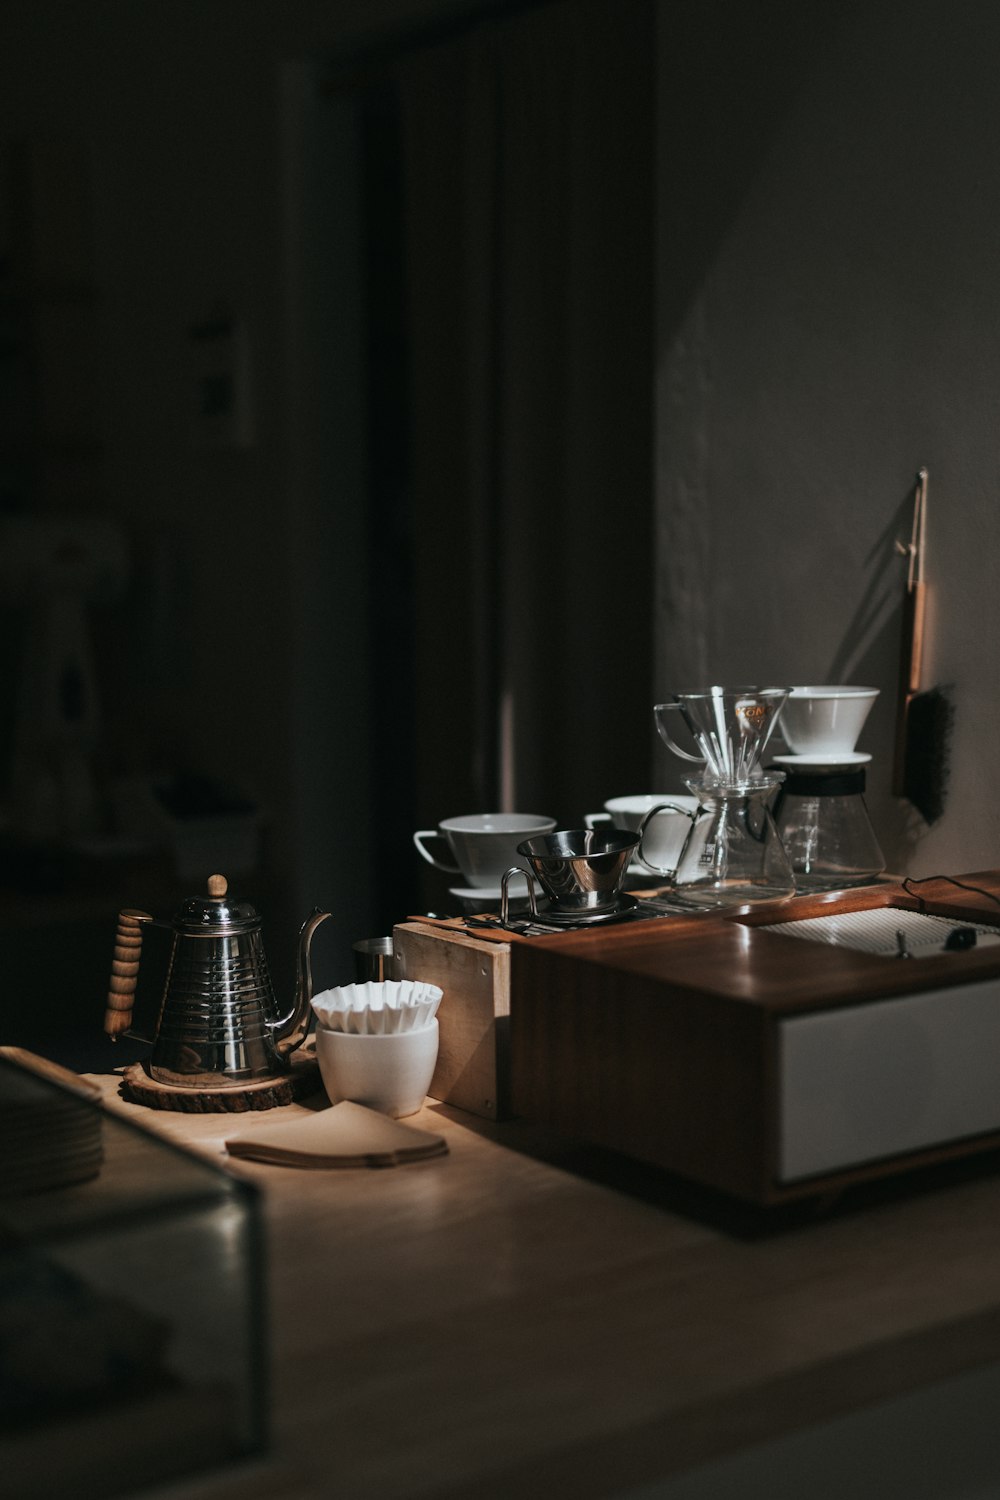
(302, 1079)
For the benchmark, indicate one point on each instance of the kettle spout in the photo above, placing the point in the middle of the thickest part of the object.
(290, 1031)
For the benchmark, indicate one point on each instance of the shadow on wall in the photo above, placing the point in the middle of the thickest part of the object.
(876, 616)
(728, 78)
(729, 74)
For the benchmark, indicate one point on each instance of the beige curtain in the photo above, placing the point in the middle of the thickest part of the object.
(528, 199)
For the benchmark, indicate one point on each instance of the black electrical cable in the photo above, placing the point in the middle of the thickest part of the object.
(962, 885)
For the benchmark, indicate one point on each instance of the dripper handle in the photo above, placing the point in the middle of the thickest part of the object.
(124, 972)
(670, 875)
(515, 870)
(698, 760)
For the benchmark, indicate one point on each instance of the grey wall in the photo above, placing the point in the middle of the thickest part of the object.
(839, 331)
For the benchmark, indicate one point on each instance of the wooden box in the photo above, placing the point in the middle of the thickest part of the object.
(758, 1063)
(473, 1066)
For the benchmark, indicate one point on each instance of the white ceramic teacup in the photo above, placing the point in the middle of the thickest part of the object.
(665, 835)
(825, 720)
(390, 1071)
(483, 845)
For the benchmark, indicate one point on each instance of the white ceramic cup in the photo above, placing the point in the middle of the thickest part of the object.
(665, 835)
(825, 720)
(484, 845)
(390, 1072)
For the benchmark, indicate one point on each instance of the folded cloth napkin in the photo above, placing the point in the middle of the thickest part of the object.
(346, 1135)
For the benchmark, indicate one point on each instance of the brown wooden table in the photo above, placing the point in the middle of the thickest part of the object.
(521, 1318)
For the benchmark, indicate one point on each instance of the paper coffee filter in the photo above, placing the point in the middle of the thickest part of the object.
(378, 1007)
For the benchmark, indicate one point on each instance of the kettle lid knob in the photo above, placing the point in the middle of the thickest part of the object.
(214, 913)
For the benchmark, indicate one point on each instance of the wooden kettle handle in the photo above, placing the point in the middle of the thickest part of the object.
(124, 972)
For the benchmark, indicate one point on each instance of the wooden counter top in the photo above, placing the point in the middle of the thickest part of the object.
(492, 1323)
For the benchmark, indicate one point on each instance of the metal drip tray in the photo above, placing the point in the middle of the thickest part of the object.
(568, 916)
(550, 917)
(879, 932)
(628, 909)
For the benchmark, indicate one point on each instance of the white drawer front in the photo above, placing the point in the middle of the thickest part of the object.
(873, 1081)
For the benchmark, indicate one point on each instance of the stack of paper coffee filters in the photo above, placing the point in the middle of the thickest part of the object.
(377, 1043)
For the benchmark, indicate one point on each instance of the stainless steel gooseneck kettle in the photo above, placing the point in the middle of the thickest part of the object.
(219, 1024)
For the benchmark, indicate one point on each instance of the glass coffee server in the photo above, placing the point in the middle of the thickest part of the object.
(732, 853)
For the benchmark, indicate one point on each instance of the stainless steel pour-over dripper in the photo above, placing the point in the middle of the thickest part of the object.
(581, 870)
(219, 1025)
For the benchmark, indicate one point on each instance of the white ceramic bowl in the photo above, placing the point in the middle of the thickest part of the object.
(390, 1073)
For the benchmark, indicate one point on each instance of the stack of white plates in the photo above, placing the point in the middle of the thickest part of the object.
(51, 1136)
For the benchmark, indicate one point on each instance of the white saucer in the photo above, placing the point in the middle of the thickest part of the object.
(818, 762)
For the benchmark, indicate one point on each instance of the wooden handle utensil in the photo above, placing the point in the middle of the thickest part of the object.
(912, 635)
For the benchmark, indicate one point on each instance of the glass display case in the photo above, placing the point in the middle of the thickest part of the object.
(132, 1298)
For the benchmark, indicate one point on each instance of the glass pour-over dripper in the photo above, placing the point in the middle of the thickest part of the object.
(729, 729)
